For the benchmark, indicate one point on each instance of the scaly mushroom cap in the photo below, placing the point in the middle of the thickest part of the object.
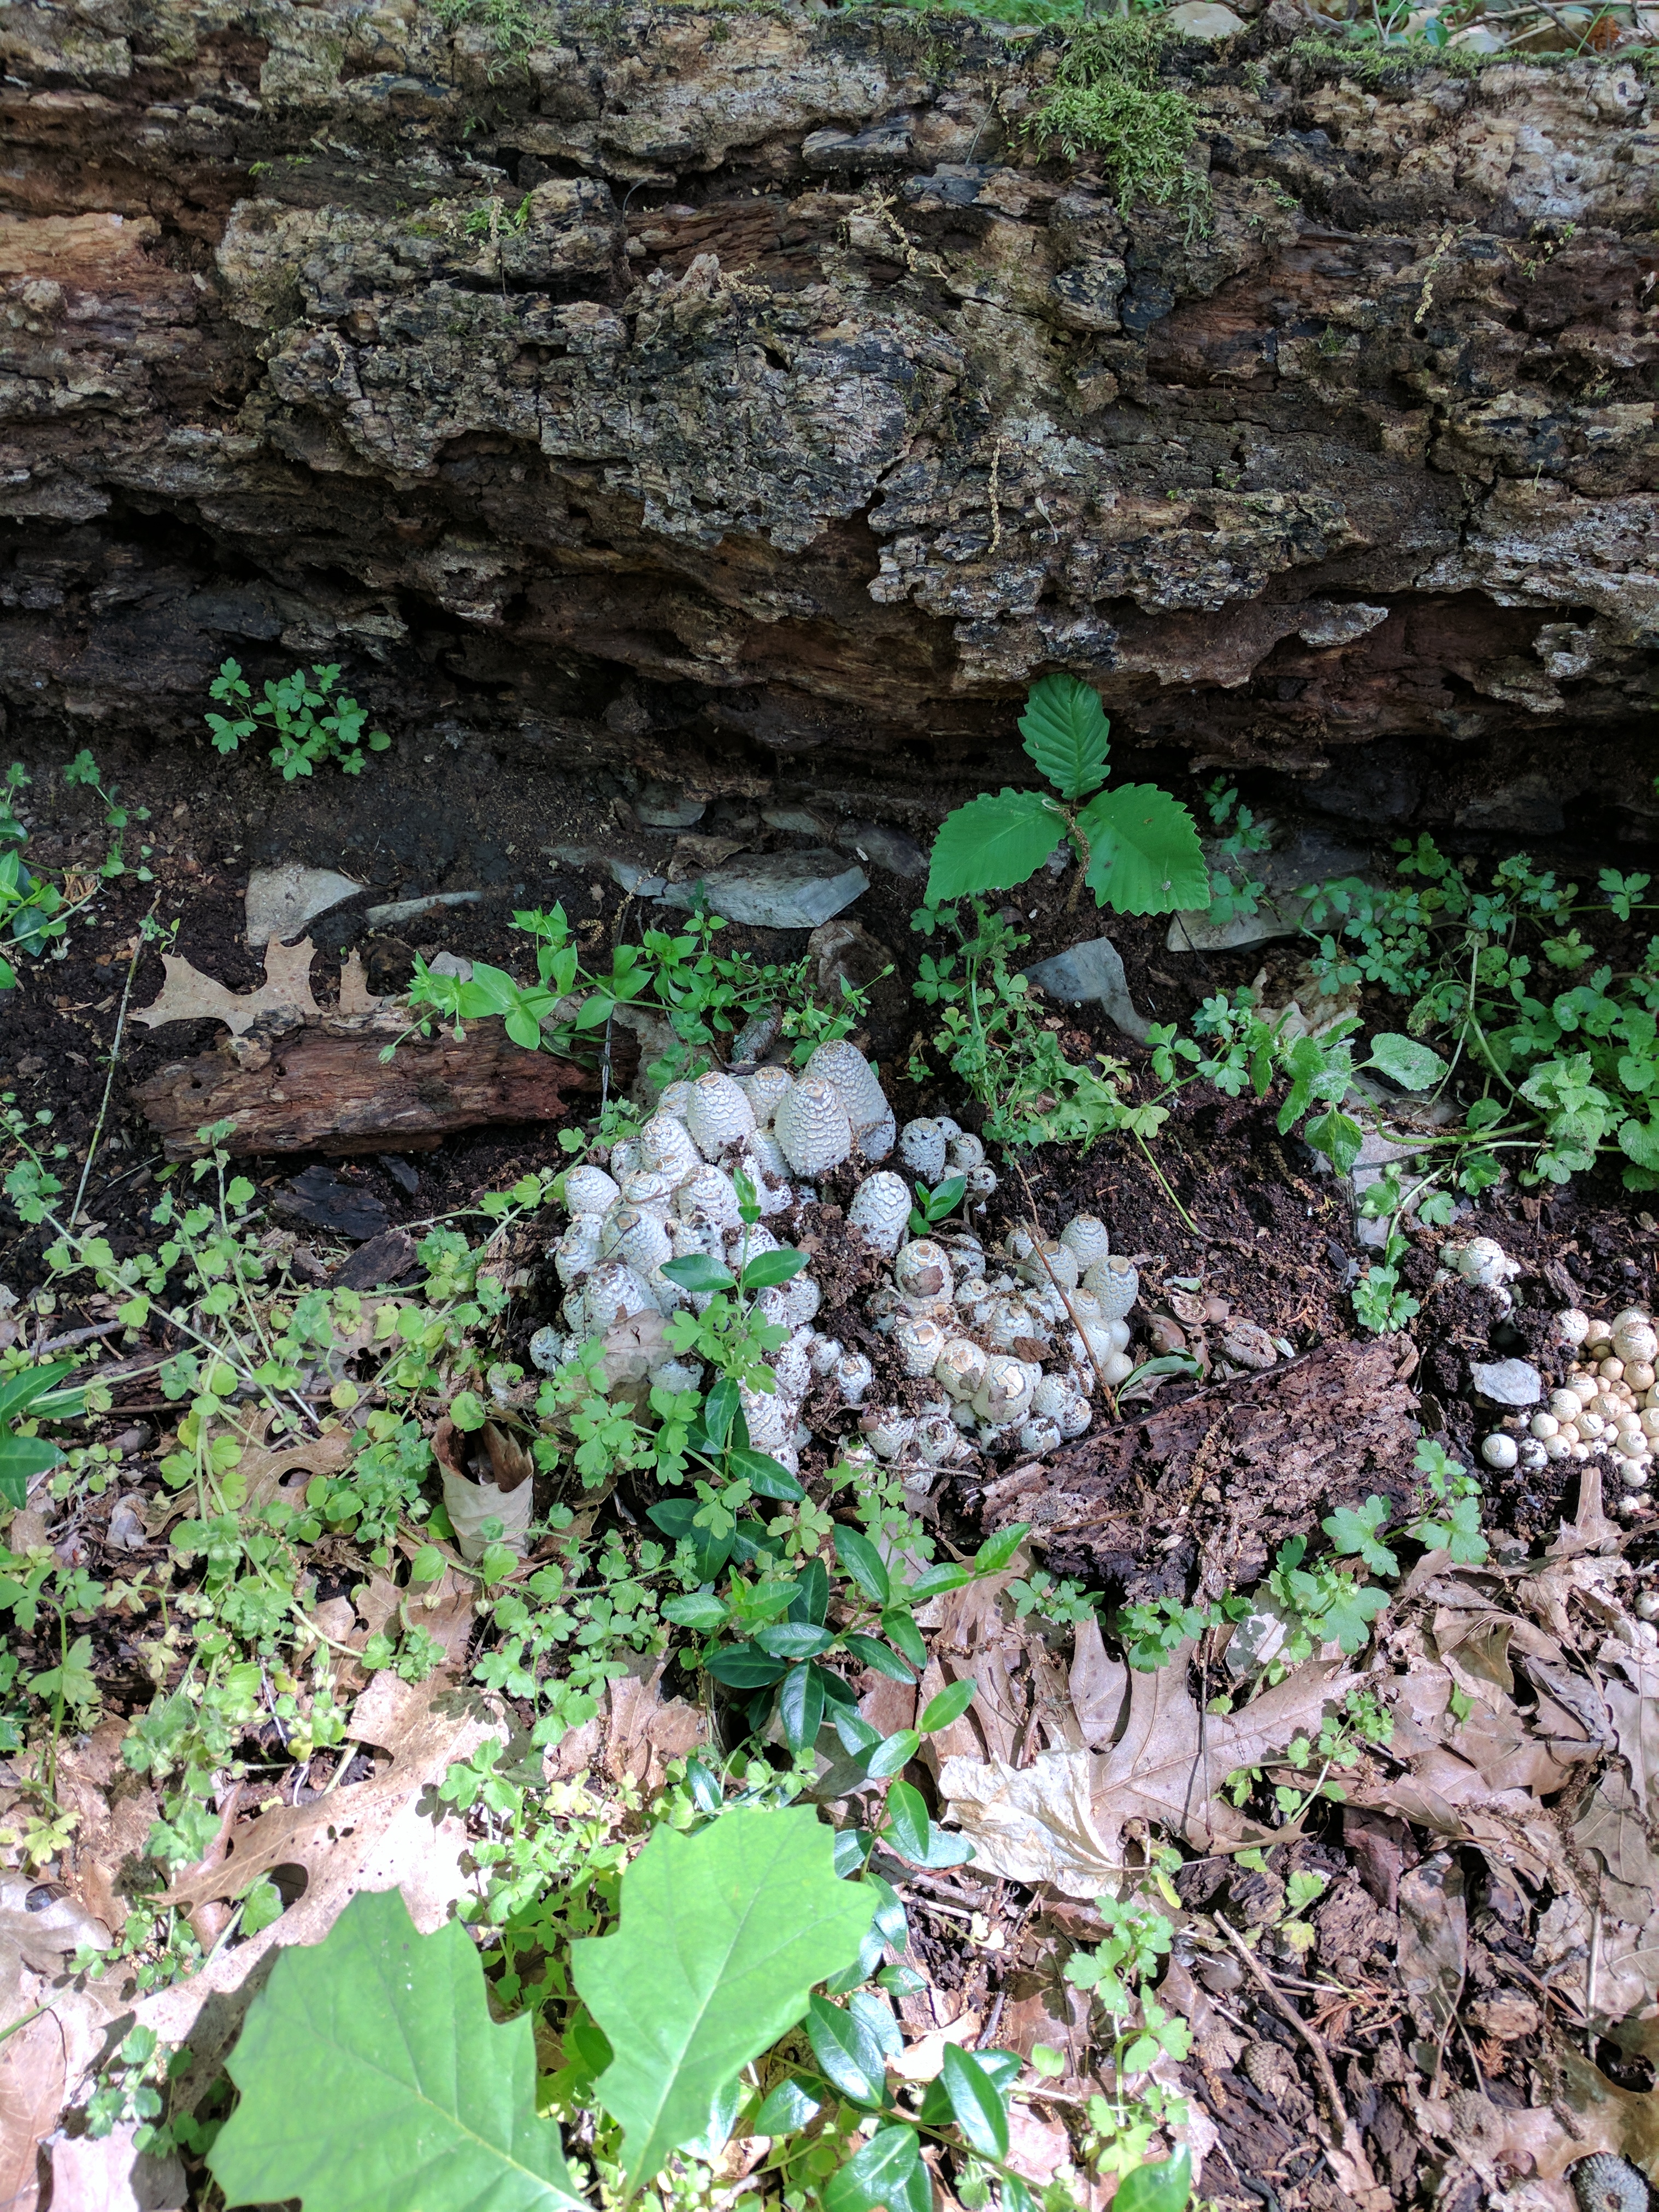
(1074, 1415)
(935, 1439)
(965, 1152)
(877, 1143)
(1087, 1237)
(922, 1270)
(887, 1430)
(1004, 1395)
(845, 1066)
(769, 1172)
(642, 1239)
(613, 1290)
(1038, 1435)
(720, 1117)
(764, 1090)
(676, 1098)
(852, 1377)
(826, 1351)
(588, 1189)
(880, 1211)
(709, 1190)
(1048, 1263)
(577, 1252)
(960, 1368)
(666, 1143)
(981, 1182)
(811, 1126)
(922, 1148)
(1115, 1284)
(919, 1344)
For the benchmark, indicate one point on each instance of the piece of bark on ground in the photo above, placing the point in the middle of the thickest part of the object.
(323, 1087)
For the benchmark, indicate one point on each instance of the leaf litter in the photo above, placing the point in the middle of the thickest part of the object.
(1423, 1956)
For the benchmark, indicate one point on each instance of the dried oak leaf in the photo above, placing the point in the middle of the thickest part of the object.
(188, 995)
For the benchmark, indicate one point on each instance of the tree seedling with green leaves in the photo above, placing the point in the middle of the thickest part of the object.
(1138, 847)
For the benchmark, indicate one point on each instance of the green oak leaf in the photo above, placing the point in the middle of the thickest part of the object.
(1065, 733)
(1144, 852)
(372, 2079)
(723, 1936)
(992, 844)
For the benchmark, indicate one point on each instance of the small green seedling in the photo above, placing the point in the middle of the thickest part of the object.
(1139, 847)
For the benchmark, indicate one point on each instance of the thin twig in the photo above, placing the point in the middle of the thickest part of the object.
(114, 1062)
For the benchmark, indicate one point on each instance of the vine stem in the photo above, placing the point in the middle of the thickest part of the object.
(114, 1060)
(1197, 1232)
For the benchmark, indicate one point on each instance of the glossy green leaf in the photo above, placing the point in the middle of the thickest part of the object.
(849, 2055)
(794, 1639)
(991, 844)
(893, 1753)
(766, 1476)
(1067, 735)
(373, 2077)
(786, 2108)
(864, 1562)
(995, 1552)
(1165, 2187)
(874, 1653)
(768, 1268)
(901, 1630)
(949, 1706)
(697, 1272)
(934, 1581)
(721, 1936)
(978, 2110)
(745, 1666)
(21, 1458)
(800, 1707)
(878, 2173)
(1144, 856)
(908, 1826)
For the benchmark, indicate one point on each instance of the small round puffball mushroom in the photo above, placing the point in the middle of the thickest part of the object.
(1634, 1472)
(1647, 1606)
(826, 1351)
(1572, 1326)
(1499, 1450)
(1639, 1374)
(1544, 1426)
(1628, 1314)
(1532, 1455)
(1005, 1394)
(981, 1182)
(1565, 1405)
(965, 1152)
(1039, 1436)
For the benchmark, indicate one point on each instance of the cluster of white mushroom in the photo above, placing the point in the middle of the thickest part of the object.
(1608, 1406)
(1013, 1340)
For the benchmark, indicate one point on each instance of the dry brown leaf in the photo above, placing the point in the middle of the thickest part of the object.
(188, 995)
(1062, 1818)
(1434, 1935)
(356, 997)
(645, 1729)
(1624, 2121)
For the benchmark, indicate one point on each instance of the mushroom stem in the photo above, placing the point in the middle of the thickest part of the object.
(1033, 1230)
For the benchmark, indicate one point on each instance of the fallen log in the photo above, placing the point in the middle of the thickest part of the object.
(323, 1087)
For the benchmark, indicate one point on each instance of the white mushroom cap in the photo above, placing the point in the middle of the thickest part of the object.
(676, 1375)
(676, 1098)
(887, 1430)
(981, 1182)
(922, 1148)
(811, 1124)
(588, 1189)
(720, 1117)
(1005, 1394)
(666, 1143)
(764, 1090)
(965, 1152)
(648, 1189)
(826, 1351)
(960, 1367)
(1500, 1450)
(935, 1439)
(1115, 1283)
(1573, 1324)
(624, 1154)
(641, 1238)
(1087, 1237)
(853, 1377)
(1075, 1414)
(769, 1418)
(711, 1191)
(577, 1251)
(614, 1289)
(880, 1211)
(1039, 1435)
(922, 1270)
(919, 1342)
(845, 1066)
(877, 1142)
(1634, 1341)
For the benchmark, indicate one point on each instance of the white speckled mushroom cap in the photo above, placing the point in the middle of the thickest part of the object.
(845, 1066)
(880, 1211)
(811, 1126)
(720, 1115)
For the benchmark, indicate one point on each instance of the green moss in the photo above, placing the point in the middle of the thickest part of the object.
(1108, 101)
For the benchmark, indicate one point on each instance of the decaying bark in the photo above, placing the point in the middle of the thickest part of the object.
(711, 387)
(323, 1087)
